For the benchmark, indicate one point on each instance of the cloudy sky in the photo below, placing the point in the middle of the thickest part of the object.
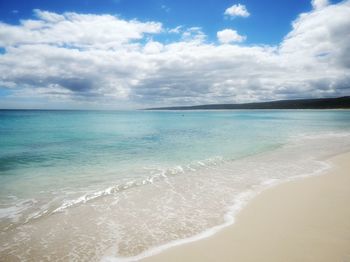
(122, 54)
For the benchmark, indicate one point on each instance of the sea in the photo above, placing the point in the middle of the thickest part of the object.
(124, 185)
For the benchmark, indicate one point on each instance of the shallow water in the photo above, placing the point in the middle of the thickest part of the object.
(92, 185)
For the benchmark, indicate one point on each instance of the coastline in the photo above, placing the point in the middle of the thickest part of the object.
(302, 220)
(173, 191)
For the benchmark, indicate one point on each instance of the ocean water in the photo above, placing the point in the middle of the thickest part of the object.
(122, 185)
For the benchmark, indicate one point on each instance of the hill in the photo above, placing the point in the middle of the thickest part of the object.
(320, 103)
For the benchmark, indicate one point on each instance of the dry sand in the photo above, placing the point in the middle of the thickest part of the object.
(303, 220)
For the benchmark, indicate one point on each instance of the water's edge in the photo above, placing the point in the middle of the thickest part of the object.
(241, 201)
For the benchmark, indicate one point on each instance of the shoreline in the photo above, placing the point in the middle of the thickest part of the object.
(250, 231)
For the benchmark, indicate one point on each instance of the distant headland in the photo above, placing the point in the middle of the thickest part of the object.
(320, 103)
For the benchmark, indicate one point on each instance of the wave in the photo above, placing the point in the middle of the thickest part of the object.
(158, 174)
(22, 207)
(16, 209)
(338, 145)
(240, 202)
(190, 187)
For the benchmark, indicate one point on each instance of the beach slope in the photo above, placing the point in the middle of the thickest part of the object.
(303, 220)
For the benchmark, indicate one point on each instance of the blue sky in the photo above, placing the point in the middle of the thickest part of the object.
(133, 53)
(269, 23)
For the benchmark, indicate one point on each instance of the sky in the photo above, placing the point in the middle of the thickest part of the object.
(126, 54)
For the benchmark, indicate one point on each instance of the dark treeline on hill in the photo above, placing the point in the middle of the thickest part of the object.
(321, 103)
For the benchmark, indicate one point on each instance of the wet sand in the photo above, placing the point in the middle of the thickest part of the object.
(303, 220)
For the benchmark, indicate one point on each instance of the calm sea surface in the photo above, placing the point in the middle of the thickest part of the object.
(101, 185)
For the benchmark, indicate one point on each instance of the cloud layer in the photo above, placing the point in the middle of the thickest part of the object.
(107, 60)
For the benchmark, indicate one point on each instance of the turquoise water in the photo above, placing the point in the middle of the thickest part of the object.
(57, 164)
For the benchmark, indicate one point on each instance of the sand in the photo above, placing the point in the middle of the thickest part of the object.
(303, 220)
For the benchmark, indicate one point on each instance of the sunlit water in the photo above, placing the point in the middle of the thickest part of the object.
(92, 185)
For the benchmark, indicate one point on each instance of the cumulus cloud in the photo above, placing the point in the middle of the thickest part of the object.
(319, 4)
(238, 10)
(75, 30)
(228, 36)
(114, 62)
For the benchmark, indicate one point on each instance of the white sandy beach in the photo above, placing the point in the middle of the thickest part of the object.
(303, 220)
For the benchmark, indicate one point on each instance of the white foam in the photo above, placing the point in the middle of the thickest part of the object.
(312, 136)
(172, 194)
(240, 202)
(17, 209)
(160, 174)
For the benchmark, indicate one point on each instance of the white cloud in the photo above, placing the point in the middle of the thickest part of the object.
(193, 34)
(237, 10)
(105, 60)
(319, 4)
(153, 47)
(76, 30)
(227, 36)
(175, 30)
